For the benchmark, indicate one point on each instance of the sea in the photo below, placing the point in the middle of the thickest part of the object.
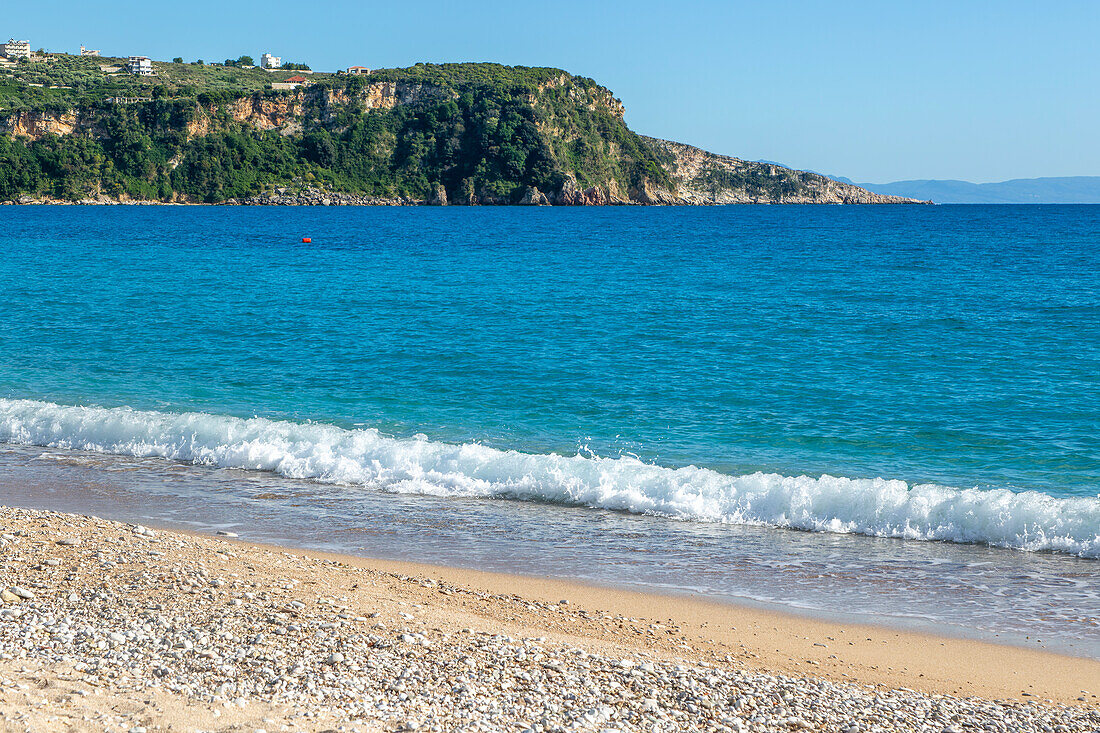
(887, 414)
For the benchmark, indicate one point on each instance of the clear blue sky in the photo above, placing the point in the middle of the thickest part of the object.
(876, 91)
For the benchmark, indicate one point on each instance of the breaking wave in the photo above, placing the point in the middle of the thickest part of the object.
(877, 507)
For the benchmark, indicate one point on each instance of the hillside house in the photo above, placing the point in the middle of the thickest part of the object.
(14, 49)
(267, 61)
(88, 52)
(292, 83)
(282, 86)
(141, 66)
(358, 70)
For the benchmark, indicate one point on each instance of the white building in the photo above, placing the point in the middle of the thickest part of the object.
(358, 70)
(14, 49)
(141, 66)
(267, 61)
(88, 52)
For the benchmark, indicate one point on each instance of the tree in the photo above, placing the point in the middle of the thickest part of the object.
(245, 61)
(177, 60)
(485, 141)
(319, 148)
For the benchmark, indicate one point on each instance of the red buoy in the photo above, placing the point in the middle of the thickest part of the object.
(306, 240)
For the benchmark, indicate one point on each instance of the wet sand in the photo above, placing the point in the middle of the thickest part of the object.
(127, 628)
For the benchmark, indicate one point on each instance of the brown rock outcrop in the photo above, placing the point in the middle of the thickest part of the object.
(703, 178)
(36, 125)
(438, 196)
(197, 126)
(264, 113)
(534, 197)
(387, 95)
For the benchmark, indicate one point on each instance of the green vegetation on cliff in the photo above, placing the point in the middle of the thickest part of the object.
(74, 128)
(69, 82)
(485, 133)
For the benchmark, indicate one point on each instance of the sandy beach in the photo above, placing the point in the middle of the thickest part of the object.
(109, 626)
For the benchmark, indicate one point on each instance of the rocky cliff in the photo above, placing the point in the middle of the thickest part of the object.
(703, 178)
(453, 134)
(34, 125)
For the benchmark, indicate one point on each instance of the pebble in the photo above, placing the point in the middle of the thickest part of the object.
(162, 622)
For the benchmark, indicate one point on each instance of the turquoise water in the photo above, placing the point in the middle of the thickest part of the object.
(928, 373)
(955, 345)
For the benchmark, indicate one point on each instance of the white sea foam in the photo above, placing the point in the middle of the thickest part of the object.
(879, 507)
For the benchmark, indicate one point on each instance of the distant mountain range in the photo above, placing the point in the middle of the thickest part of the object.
(1070, 190)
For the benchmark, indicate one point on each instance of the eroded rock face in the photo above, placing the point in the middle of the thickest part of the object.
(696, 177)
(704, 178)
(197, 126)
(534, 197)
(317, 197)
(438, 196)
(379, 96)
(571, 194)
(651, 194)
(592, 196)
(36, 125)
(266, 114)
(387, 95)
(594, 98)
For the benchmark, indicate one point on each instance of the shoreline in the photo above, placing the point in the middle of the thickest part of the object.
(180, 627)
(770, 571)
(639, 593)
(917, 625)
(865, 652)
